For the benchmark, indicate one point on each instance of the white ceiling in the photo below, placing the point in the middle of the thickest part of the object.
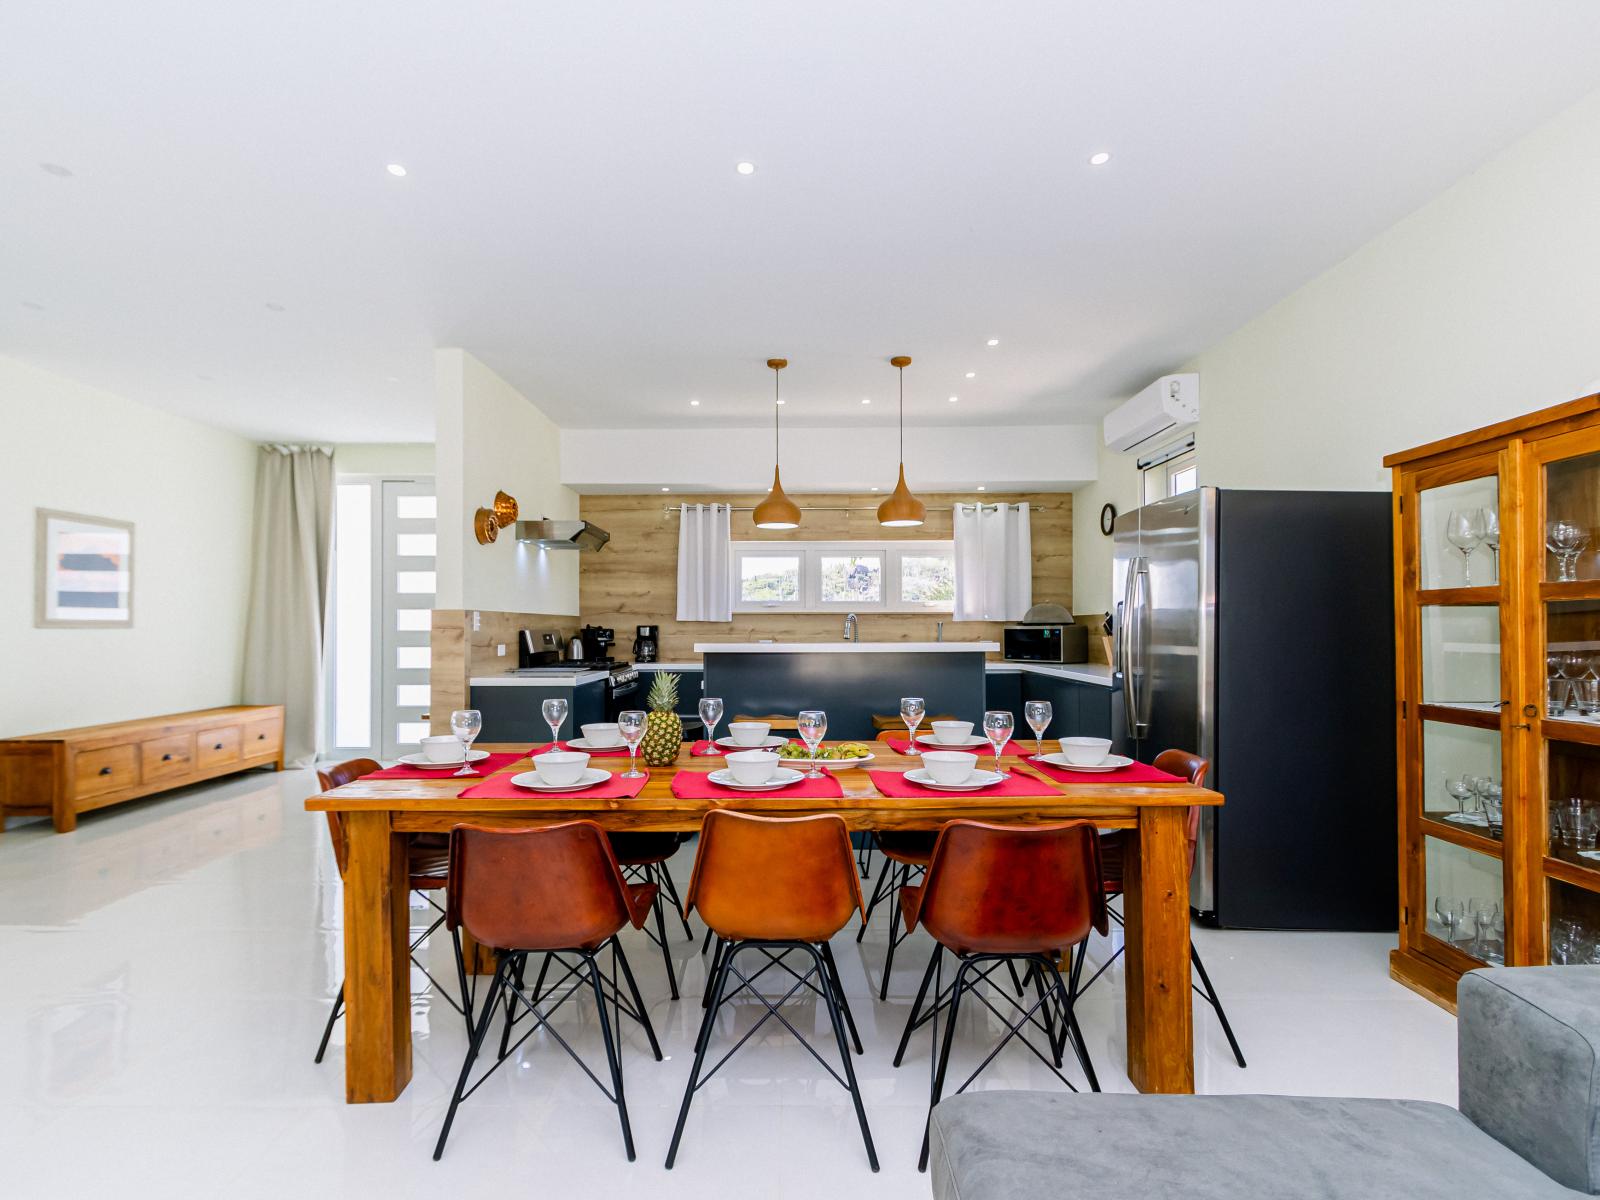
(572, 214)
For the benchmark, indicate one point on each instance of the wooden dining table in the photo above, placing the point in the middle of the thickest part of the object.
(379, 814)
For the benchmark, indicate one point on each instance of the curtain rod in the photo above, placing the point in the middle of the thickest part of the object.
(669, 510)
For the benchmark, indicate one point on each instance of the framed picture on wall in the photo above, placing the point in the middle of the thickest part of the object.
(83, 571)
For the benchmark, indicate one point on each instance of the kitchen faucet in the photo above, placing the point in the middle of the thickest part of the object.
(938, 631)
(851, 633)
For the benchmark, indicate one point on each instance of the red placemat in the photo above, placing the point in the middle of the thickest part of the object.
(697, 785)
(703, 749)
(903, 746)
(484, 766)
(895, 784)
(608, 752)
(1136, 773)
(501, 788)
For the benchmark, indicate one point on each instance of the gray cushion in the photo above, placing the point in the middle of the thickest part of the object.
(1529, 1045)
(1022, 1145)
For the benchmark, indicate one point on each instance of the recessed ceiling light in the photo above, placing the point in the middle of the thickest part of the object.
(1100, 159)
(994, 341)
(396, 170)
(666, 489)
(953, 399)
(981, 488)
(866, 399)
(874, 489)
(274, 307)
(783, 402)
(694, 404)
(746, 168)
(972, 374)
(56, 169)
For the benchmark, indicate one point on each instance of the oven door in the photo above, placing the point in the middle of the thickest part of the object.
(620, 696)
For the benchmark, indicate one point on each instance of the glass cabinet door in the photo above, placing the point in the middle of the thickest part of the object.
(1458, 528)
(1465, 894)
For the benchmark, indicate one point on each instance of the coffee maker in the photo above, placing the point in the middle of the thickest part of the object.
(644, 643)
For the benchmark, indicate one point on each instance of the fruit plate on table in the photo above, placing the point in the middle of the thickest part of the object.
(841, 757)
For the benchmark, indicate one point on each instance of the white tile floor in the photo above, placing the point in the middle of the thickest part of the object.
(165, 972)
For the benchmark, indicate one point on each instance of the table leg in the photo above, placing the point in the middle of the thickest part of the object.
(1156, 909)
(479, 959)
(377, 988)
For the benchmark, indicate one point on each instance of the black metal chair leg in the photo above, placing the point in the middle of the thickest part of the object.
(706, 943)
(538, 984)
(896, 936)
(638, 1000)
(711, 975)
(472, 1052)
(1037, 976)
(1016, 980)
(836, 1020)
(461, 979)
(1069, 1019)
(937, 1090)
(511, 1006)
(333, 1016)
(885, 883)
(725, 953)
(613, 1052)
(666, 949)
(672, 894)
(837, 985)
(1210, 996)
(916, 1005)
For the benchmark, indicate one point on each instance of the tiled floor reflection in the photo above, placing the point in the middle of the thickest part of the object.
(167, 969)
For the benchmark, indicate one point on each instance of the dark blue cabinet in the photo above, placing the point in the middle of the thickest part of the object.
(1079, 709)
(1003, 690)
(512, 713)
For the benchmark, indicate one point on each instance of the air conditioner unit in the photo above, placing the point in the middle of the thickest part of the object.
(1167, 407)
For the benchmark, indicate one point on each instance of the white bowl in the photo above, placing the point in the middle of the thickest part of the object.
(951, 733)
(602, 734)
(749, 733)
(1085, 752)
(751, 767)
(949, 766)
(560, 767)
(443, 748)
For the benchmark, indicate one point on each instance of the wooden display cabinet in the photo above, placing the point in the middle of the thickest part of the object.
(1498, 698)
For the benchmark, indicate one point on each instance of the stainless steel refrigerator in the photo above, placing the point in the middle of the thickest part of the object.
(1255, 628)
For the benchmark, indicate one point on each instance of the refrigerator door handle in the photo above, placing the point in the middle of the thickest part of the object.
(1124, 640)
(1139, 588)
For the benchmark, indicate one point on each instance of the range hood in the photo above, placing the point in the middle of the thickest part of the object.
(562, 535)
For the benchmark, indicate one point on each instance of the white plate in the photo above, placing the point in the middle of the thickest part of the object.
(927, 743)
(1113, 762)
(586, 744)
(428, 764)
(838, 764)
(978, 779)
(767, 743)
(531, 781)
(782, 777)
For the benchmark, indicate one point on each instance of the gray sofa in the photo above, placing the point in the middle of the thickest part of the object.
(1528, 1125)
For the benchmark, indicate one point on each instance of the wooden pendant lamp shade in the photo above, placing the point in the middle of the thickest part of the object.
(777, 511)
(902, 508)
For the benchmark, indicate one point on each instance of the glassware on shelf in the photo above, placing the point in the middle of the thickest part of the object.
(997, 727)
(812, 725)
(1489, 518)
(1459, 791)
(710, 714)
(1493, 810)
(1566, 541)
(631, 725)
(1463, 529)
(1483, 913)
(1038, 714)
(1450, 912)
(466, 724)
(555, 714)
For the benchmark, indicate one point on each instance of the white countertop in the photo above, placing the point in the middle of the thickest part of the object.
(553, 679)
(1096, 673)
(842, 647)
(670, 666)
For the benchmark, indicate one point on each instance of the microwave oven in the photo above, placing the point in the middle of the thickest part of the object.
(1045, 643)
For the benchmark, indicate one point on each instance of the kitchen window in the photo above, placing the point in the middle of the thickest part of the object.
(910, 576)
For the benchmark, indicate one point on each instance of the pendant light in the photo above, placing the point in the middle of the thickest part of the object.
(777, 511)
(902, 508)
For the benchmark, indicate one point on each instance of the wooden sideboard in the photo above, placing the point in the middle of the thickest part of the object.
(72, 771)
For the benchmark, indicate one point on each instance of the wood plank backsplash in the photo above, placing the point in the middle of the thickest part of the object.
(634, 580)
(460, 652)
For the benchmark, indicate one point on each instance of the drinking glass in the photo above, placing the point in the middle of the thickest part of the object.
(997, 727)
(1460, 792)
(1482, 914)
(710, 714)
(1450, 913)
(466, 724)
(1566, 541)
(911, 711)
(630, 724)
(1582, 822)
(555, 712)
(812, 725)
(1038, 714)
(1463, 529)
(1490, 520)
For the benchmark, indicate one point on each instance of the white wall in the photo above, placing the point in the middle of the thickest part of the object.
(1481, 305)
(383, 458)
(188, 489)
(489, 437)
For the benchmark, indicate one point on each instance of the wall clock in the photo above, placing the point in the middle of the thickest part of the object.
(1108, 517)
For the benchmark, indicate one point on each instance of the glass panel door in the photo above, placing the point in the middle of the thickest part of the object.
(1458, 527)
(1465, 894)
(410, 581)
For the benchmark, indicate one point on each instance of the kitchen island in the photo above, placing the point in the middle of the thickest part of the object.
(850, 681)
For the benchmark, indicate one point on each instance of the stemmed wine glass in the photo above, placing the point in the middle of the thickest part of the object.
(555, 713)
(1460, 791)
(630, 724)
(1038, 714)
(911, 711)
(1483, 914)
(1463, 529)
(997, 727)
(710, 714)
(812, 725)
(1566, 541)
(1450, 911)
(466, 723)
(1489, 519)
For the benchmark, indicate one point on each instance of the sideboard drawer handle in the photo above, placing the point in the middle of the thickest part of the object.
(105, 770)
(218, 746)
(261, 737)
(166, 758)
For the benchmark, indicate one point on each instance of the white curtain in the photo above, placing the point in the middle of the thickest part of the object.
(705, 562)
(285, 627)
(994, 562)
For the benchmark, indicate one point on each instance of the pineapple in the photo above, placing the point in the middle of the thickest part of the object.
(663, 731)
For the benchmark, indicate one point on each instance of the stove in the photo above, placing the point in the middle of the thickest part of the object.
(622, 677)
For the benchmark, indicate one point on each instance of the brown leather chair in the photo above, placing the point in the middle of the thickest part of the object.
(425, 871)
(906, 856)
(1114, 848)
(773, 886)
(643, 858)
(556, 890)
(998, 894)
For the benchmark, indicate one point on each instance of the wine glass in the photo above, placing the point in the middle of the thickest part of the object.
(555, 713)
(710, 714)
(1450, 912)
(1038, 714)
(1460, 792)
(466, 724)
(1463, 529)
(1566, 541)
(812, 725)
(997, 727)
(1489, 519)
(1483, 914)
(630, 724)
(911, 712)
